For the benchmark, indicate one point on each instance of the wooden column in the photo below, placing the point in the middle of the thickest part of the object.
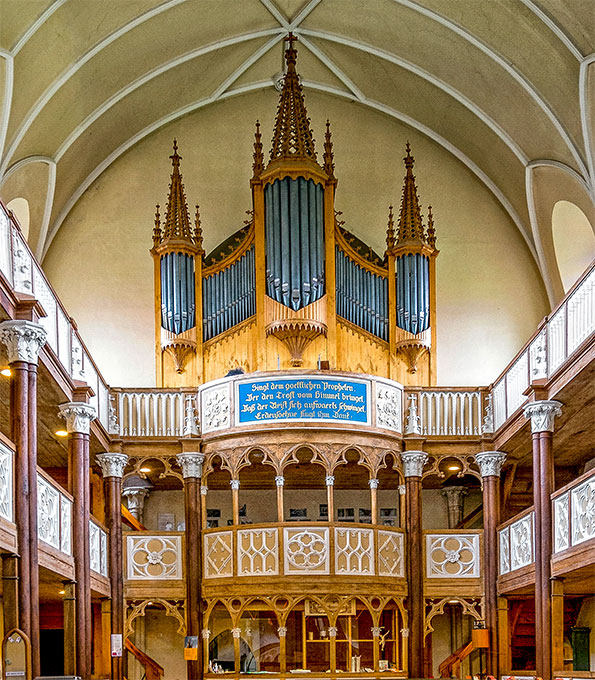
(69, 610)
(282, 632)
(557, 625)
(10, 591)
(332, 635)
(78, 416)
(112, 466)
(280, 483)
(204, 490)
(235, 500)
(504, 657)
(191, 464)
(330, 497)
(542, 414)
(373, 484)
(24, 339)
(490, 464)
(413, 463)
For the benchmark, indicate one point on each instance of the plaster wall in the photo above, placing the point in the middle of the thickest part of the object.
(100, 265)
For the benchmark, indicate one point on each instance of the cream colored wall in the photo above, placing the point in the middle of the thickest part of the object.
(490, 297)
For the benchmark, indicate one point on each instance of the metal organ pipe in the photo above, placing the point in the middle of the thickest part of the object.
(413, 292)
(177, 292)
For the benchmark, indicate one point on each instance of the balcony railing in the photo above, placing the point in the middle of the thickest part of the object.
(453, 555)
(573, 509)
(445, 412)
(516, 540)
(6, 482)
(54, 514)
(554, 342)
(97, 548)
(154, 556)
(24, 274)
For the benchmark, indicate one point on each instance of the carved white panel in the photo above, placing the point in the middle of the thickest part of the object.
(21, 265)
(215, 412)
(154, 558)
(6, 479)
(561, 523)
(65, 525)
(521, 542)
(5, 247)
(583, 512)
(354, 551)
(538, 357)
(517, 381)
(94, 547)
(556, 339)
(306, 550)
(452, 556)
(258, 552)
(499, 403)
(102, 553)
(42, 292)
(581, 313)
(504, 542)
(77, 370)
(64, 331)
(218, 554)
(391, 554)
(389, 407)
(48, 513)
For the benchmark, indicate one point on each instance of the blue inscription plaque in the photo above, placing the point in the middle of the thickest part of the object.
(302, 398)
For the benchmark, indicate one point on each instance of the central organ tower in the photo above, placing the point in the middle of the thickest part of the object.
(293, 287)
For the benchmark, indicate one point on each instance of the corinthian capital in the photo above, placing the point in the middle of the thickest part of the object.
(191, 464)
(23, 340)
(542, 414)
(413, 463)
(78, 416)
(112, 464)
(490, 462)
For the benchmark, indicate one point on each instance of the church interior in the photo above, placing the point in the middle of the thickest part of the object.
(297, 339)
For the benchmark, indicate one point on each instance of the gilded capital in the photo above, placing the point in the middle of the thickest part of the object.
(413, 463)
(542, 414)
(112, 464)
(191, 464)
(490, 462)
(78, 416)
(23, 340)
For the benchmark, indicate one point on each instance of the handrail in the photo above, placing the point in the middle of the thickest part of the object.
(153, 669)
(446, 667)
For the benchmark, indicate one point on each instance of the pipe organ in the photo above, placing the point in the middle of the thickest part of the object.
(294, 287)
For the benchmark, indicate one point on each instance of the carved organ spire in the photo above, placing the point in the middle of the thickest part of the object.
(411, 228)
(258, 156)
(329, 165)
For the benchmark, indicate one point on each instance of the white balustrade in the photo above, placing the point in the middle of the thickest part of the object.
(516, 542)
(54, 515)
(97, 548)
(517, 381)
(154, 557)
(5, 246)
(573, 510)
(258, 552)
(154, 413)
(6, 483)
(450, 555)
(447, 413)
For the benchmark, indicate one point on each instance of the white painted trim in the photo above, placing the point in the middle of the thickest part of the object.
(310, 7)
(79, 63)
(276, 12)
(7, 98)
(36, 25)
(145, 78)
(508, 67)
(546, 162)
(554, 28)
(315, 86)
(426, 75)
(333, 68)
(541, 260)
(586, 118)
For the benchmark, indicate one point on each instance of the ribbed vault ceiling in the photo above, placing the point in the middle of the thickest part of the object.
(504, 85)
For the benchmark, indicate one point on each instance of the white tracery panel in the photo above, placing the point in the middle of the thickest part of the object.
(42, 292)
(521, 542)
(94, 547)
(390, 554)
(388, 407)
(5, 247)
(6, 480)
(583, 511)
(561, 525)
(65, 525)
(354, 551)
(102, 552)
(504, 542)
(154, 558)
(258, 552)
(218, 554)
(452, 555)
(21, 264)
(215, 410)
(306, 550)
(48, 513)
(538, 356)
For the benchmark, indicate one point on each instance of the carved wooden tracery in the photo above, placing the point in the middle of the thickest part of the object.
(170, 467)
(173, 608)
(471, 606)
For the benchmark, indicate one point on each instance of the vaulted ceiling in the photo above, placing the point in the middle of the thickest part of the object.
(506, 86)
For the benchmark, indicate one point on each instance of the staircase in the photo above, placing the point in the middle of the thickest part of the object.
(153, 670)
(451, 666)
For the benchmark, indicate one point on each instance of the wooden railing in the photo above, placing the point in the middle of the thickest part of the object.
(573, 510)
(23, 273)
(153, 670)
(450, 667)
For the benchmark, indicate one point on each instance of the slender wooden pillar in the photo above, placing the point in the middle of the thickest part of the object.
(69, 609)
(204, 490)
(282, 632)
(112, 466)
(24, 340)
(191, 464)
(332, 634)
(504, 658)
(235, 501)
(490, 464)
(557, 625)
(10, 591)
(373, 484)
(78, 416)
(280, 483)
(330, 497)
(542, 414)
(413, 463)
